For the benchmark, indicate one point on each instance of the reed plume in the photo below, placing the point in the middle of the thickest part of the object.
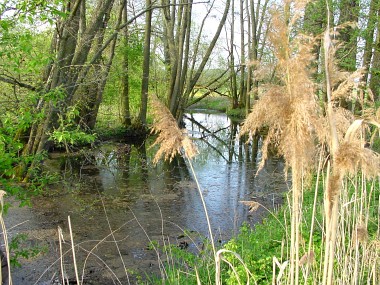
(291, 113)
(170, 137)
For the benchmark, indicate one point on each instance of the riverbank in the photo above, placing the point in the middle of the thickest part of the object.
(260, 251)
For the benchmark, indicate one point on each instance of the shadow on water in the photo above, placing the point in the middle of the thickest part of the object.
(115, 188)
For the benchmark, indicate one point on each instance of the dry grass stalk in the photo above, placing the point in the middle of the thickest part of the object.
(350, 157)
(5, 238)
(172, 140)
(349, 88)
(296, 124)
(73, 251)
(170, 137)
(282, 267)
(61, 239)
(219, 257)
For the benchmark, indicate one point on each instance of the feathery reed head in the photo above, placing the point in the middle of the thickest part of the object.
(290, 108)
(360, 234)
(353, 156)
(307, 258)
(253, 206)
(170, 137)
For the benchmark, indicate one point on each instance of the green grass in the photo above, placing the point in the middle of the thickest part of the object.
(215, 103)
(237, 113)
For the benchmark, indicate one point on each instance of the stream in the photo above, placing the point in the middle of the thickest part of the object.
(114, 193)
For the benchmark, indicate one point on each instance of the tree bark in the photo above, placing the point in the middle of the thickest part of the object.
(176, 37)
(375, 68)
(146, 64)
(125, 108)
(72, 52)
(243, 89)
(90, 95)
(233, 80)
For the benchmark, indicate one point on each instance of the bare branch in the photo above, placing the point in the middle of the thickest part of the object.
(14, 81)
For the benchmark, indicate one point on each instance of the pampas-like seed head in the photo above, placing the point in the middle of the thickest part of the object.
(307, 258)
(360, 234)
(353, 156)
(289, 109)
(253, 206)
(170, 137)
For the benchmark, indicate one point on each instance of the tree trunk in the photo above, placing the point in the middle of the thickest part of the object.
(233, 81)
(250, 61)
(177, 35)
(314, 24)
(146, 67)
(90, 95)
(125, 108)
(375, 69)
(369, 36)
(371, 56)
(242, 90)
(72, 52)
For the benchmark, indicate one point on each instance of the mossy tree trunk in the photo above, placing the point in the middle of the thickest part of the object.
(74, 40)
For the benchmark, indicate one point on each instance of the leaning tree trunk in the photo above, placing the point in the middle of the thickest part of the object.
(92, 95)
(87, 93)
(56, 73)
(196, 73)
(64, 78)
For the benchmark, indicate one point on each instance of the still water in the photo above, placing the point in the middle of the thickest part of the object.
(114, 193)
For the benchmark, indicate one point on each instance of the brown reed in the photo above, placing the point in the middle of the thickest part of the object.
(170, 137)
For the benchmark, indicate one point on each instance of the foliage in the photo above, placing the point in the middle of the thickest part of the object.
(14, 124)
(23, 50)
(237, 113)
(113, 89)
(69, 133)
(217, 103)
(18, 249)
(184, 266)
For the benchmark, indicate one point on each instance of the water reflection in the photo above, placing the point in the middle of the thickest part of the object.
(146, 202)
(225, 167)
